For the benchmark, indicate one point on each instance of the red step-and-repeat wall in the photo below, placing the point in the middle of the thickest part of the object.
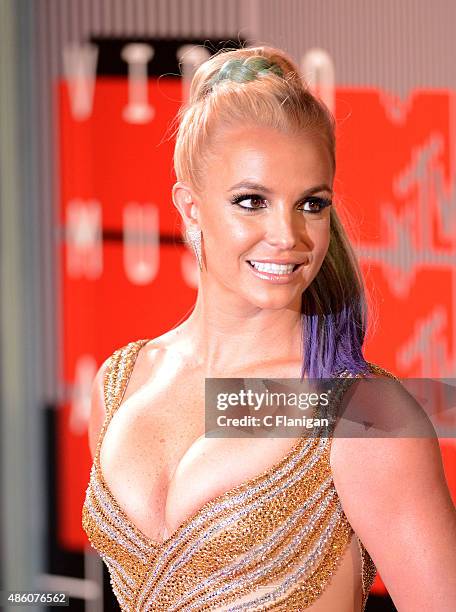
(125, 274)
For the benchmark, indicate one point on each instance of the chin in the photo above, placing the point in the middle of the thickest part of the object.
(275, 302)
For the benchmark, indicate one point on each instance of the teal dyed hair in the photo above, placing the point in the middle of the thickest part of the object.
(243, 71)
(262, 86)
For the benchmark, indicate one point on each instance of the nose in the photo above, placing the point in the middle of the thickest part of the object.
(282, 229)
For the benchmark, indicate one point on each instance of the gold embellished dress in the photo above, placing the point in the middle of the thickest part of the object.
(271, 543)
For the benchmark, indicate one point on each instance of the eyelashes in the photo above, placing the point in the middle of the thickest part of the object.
(321, 203)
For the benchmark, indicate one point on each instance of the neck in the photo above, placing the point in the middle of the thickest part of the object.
(227, 335)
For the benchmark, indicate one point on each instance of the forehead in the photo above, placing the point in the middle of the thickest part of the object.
(269, 156)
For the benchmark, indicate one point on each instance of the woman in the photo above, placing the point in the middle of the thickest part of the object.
(186, 522)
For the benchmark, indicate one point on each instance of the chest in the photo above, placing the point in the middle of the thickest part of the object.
(291, 510)
(159, 465)
(168, 493)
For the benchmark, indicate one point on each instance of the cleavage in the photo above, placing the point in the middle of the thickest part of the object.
(158, 498)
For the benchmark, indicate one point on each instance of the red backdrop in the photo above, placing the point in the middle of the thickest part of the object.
(393, 178)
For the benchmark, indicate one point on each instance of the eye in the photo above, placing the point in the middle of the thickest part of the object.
(252, 197)
(312, 204)
(316, 205)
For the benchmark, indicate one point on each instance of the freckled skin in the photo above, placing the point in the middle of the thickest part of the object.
(287, 165)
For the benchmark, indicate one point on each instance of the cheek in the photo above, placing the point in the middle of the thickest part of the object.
(319, 239)
(234, 234)
(319, 235)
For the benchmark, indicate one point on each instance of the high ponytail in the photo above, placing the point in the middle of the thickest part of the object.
(256, 85)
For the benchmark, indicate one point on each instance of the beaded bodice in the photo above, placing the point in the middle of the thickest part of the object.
(271, 543)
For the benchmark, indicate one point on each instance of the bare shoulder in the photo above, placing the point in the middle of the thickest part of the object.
(171, 341)
(146, 357)
(383, 432)
(393, 490)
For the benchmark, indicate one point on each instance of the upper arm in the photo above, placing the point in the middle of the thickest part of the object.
(394, 494)
(98, 408)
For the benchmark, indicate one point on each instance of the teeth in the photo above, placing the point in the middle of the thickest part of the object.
(272, 267)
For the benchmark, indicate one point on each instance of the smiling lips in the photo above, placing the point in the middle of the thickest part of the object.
(281, 272)
(265, 266)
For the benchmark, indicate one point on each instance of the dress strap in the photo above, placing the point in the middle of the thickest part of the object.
(116, 378)
(376, 369)
(118, 373)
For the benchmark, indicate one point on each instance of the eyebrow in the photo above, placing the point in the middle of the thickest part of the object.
(258, 187)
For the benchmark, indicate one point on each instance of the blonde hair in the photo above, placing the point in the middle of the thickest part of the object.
(252, 95)
(262, 86)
